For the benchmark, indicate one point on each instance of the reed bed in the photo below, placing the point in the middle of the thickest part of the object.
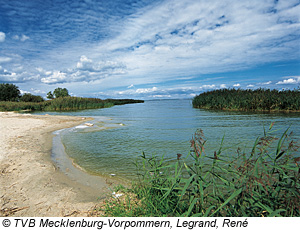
(249, 100)
(259, 183)
(19, 106)
(64, 104)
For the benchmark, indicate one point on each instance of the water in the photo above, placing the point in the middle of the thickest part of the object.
(164, 127)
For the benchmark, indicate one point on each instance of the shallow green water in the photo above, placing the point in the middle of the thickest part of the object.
(162, 128)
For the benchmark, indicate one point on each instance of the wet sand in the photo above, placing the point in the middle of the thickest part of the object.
(31, 184)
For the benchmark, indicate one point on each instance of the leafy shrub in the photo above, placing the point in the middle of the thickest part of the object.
(27, 97)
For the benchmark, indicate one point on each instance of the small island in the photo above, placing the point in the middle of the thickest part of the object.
(249, 100)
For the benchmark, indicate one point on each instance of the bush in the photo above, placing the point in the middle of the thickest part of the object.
(27, 97)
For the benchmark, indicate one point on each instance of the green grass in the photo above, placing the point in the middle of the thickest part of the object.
(262, 182)
(64, 104)
(249, 100)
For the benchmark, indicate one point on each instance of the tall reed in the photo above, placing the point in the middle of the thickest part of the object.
(249, 100)
(64, 104)
(262, 182)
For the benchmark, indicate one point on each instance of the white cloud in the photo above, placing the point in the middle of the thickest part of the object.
(159, 92)
(147, 90)
(223, 86)
(2, 37)
(6, 75)
(56, 77)
(33, 91)
(43, 72)
(250, 86)
(24, 38)
(164, 44)
(110, 67)
(175, 38)
(21, 38)
(205, 87)
(293, 80)
(24, 91)
(283, 5)
(5, 59)
(13, 76)
(86, 70)
(161, 96)
(37, 91)
(84, 63)
(266, 83)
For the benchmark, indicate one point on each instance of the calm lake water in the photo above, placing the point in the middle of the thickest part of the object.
(162, 127)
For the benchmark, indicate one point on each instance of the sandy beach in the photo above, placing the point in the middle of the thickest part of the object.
(30, 183)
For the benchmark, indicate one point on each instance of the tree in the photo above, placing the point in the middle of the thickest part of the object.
(50, 95)
(28, 97)
(9, 92)
(59, 92)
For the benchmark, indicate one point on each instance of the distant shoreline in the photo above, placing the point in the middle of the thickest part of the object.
(249, 111)
(30, 183)
(249, 100)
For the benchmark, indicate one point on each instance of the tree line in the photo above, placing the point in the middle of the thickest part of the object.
(60, 100)
(11, 92)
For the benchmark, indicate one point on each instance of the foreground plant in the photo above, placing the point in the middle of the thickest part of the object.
(263, 182)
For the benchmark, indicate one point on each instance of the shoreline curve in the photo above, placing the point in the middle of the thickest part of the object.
(30, 183)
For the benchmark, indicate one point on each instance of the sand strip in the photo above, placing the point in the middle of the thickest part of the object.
(30, 184)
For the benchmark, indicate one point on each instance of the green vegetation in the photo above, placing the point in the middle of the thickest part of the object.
(263, 182)
(123, 101)
(64, 104)
(58, 92)
(18, 106)
(27, 97)
(9, 92)
(50, 95)
(74, 103)
(11, 100)
(249, 100)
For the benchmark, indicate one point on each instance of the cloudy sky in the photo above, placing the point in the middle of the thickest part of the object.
(149, 48)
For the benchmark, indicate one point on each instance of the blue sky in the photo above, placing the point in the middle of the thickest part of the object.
(150, 48)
